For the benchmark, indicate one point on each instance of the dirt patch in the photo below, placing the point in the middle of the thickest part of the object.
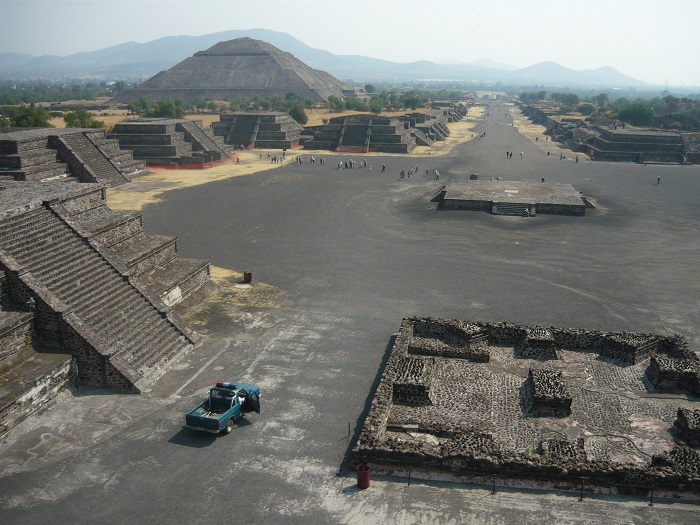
(149, 189)
(460, 132)
(229, 305)
(535, 132)
(233, 290)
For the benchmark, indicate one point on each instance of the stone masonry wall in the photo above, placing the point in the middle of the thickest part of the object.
(40, 394)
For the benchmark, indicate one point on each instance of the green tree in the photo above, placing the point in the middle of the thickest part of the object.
(568, 99)
(296, 111)
(81, 118)
(200, 103)
(411, 101)
(586, 109)
(356, 104)
(30, 117)
(167, 109)
(602, 99)
(212, 106)
(620, 103)
(375, 105)
(4, 122)
(335, 103)
(140, 105)
(369, 88)
(637, 114)
(531, 97)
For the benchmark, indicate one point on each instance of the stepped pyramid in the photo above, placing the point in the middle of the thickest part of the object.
(80, 155)
(101, 286)
(239, 69)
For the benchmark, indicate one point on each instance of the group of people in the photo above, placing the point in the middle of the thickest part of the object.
(347, 164)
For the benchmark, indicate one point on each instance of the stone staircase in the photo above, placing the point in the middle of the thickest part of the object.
(60, 266)
(152, 260)
(123, 160)
(421, 138)
(205, 140)
(92, 158)
(511, 208)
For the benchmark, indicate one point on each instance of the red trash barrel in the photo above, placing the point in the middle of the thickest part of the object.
(363, 477)
(247, 277)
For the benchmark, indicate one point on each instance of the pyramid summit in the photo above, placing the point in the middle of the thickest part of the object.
(239, 69)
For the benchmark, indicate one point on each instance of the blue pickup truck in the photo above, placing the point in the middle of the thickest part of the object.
(224, 404)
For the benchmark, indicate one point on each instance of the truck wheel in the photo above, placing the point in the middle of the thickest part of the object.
(228, 428)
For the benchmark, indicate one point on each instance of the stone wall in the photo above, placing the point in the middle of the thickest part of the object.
(687, 425)
(15, 333)
(544, 394)
(471, 205)
(414, 377)
(561, 209)
(674, 374)
(39, 395)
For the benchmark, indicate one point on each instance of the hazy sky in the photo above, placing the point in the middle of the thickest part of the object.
(657, 41)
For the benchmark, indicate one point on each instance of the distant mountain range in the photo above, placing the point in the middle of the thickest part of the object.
(132, 61)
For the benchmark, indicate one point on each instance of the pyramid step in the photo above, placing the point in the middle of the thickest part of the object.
(141, 340)
(45, 243)
(64, 279)
(125, 305)
(77, 292)
(118, 324)
(46, 259)
(143, 353)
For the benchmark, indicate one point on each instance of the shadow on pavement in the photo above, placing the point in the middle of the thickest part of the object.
(192, 438)
(346, 464)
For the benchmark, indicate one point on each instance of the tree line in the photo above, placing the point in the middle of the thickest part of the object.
(15, 93)
(667, 112)
(177, 108)
(37, 117)
(32, 115)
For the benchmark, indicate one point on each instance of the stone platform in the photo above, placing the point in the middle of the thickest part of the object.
(553, 420)
(512, 197)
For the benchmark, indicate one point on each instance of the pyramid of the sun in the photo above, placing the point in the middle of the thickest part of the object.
(239, 69)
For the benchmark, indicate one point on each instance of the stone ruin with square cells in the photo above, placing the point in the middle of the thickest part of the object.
(578, 403)
(86, 295)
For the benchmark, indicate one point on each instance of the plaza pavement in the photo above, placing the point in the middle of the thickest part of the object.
(351, 253)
